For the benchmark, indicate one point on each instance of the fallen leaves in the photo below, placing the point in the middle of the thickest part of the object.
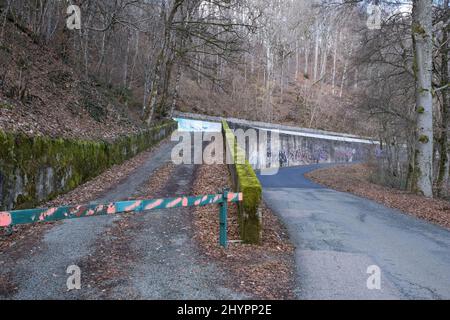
(89, 191)
(59, 100)
(266, 271)
(355, 179)
(113, 257)
(7, 286)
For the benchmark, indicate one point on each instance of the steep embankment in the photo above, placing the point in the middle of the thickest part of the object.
(42, 93)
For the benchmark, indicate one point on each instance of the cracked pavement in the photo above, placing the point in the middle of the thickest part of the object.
(339, 235)
(169, 264)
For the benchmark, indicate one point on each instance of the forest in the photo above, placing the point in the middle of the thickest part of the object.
(373, 68)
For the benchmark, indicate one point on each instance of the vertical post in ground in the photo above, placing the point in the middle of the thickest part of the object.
(223, 219)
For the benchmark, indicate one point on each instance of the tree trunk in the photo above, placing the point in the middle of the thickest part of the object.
(422, 40)
(102, 54)
(149, 111)
(176, 90)
(297, 61)
(442, 179)
(133, 66)
(282, 79)
(344, 73)
(125, 64)
(316, 53)
(165, 85)
(4, 8)
(333, 82)
(306, 61)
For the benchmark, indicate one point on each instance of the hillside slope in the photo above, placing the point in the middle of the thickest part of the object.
(40, 94)
(304, 103)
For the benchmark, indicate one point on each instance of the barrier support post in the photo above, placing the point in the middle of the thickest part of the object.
(223, 219)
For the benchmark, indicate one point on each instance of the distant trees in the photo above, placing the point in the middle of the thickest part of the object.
(149, 48)
(199, 35)
(310, 63)
(136, 44)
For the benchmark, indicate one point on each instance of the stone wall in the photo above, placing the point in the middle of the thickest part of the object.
(36, 169)
(297, 148)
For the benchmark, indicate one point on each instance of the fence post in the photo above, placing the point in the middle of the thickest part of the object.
(223, 219)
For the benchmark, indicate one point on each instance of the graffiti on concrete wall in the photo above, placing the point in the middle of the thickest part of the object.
(304, 151)
(301, 156)
(295, 150)
(345, 154)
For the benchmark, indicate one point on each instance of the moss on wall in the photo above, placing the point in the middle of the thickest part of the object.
(245, 181)
(36, 169)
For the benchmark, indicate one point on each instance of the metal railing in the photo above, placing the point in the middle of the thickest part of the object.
(17, 217)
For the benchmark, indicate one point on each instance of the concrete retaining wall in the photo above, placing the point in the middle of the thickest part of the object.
(36, 169)
(301, 146)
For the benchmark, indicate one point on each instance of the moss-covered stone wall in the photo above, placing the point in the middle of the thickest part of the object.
(245, 181)
(36, 169)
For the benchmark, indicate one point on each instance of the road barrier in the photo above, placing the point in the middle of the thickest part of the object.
(16, 217)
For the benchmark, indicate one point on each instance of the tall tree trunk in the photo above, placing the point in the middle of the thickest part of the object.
(4, 9)
(323, 69)
(282, 79)
(306, 60)
(86, 35)
(125, 63)
(316, 53)
(102, 54)
(176, 90)
(165, 85)
(344, 72)
(442, 179)
(333, 81)
(422, 39)
(136, 54)
(149, 110)
(297, 60)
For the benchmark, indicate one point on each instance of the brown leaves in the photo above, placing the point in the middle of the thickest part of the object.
(83, 194)
(7, 286)
(114, 256)
(265, 271)
(355, 179)
(56, 101)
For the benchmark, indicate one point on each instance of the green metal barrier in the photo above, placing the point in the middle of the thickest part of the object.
(11, 218)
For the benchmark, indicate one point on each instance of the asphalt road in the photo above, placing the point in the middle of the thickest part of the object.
(338, 236)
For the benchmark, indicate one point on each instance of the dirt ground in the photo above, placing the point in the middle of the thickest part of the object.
(114, 255)
(265, 271)
(261, 272)
(82, 194)
(356, 179)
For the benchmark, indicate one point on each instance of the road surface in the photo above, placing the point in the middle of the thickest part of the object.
(338, 236)
(168, 263)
